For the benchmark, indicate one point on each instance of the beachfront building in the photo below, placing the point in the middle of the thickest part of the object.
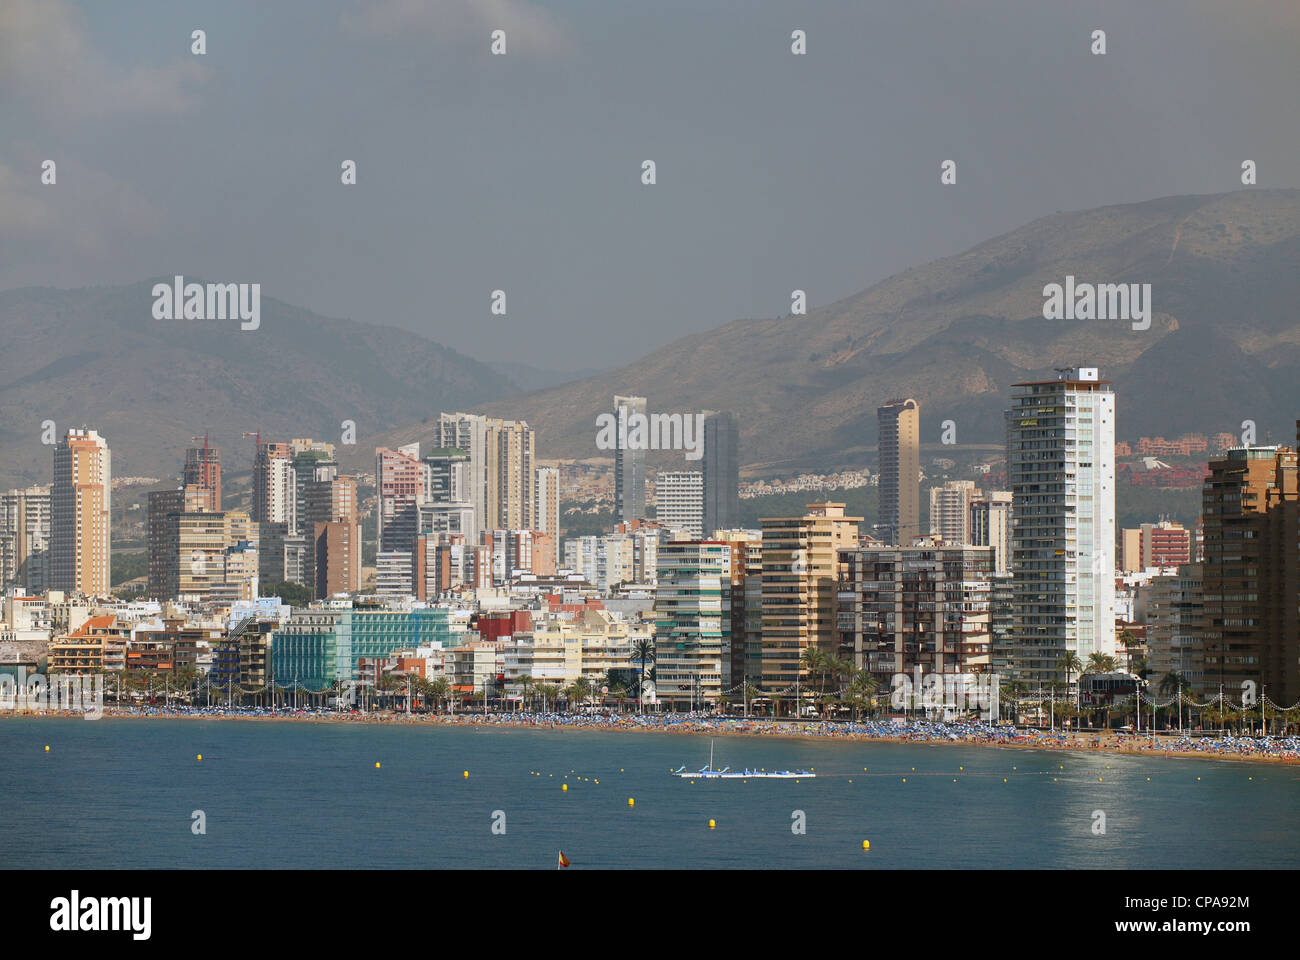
(323, 644)
(1251, 504)
(559, 649)
(1061, 470)
(1175, 622)
(692, 611)
(97, 646)
(925, 607)
(800, 563)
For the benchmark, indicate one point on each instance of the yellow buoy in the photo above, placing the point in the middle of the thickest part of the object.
(1099, 779)
(954, 779)
(466, 774)
(376, 763)
(1198, 778)
(961, 768)
(1148, 779)
(1248, 778)
(597, 781)
(1004, 779)
(712, 824)
(47, 748)
(199, 757)
(905, 779)
(564, 788)
(631, 801)
(866, 844)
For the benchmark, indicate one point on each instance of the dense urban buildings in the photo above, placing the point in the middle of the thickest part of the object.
(900, 471)
(1007, 581)
(1061, 470)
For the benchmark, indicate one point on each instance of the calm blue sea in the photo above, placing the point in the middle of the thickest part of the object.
(121, 793)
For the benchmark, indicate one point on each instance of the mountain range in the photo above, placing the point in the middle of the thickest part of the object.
(1223, 346)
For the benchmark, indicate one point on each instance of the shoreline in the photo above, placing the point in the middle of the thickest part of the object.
(916, 733)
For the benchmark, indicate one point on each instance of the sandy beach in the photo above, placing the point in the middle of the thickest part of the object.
(1264, 749)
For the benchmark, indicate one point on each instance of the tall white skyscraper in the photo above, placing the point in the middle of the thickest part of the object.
(679, 500)
(1061, 470)
(547, 509)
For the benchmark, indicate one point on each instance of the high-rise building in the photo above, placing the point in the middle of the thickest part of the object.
(1061, 469)
(926, 607)
(899, 424)
(336, 557)
(1176, 625)
(800, 583)
(629, 463)
(25, 540)
(208, 554)
(400, 479)
(990, 526)
(950, 511)
(1163, 544)
(328, 514)
(80, 514)
(501, 469)
(1251, 581)
(202, 471)
(679, 499)
(692, 611)
(547, 509)
(742, 651)
(274, 485)
(511, 475)
(721, 471)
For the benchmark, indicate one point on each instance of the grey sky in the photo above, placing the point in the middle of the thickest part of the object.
(523, 172)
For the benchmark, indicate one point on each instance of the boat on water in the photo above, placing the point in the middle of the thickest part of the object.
(726, 773)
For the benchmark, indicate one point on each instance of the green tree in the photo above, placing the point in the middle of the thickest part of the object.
(294, 594)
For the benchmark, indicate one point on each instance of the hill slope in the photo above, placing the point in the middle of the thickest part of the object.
(1223, 346)
(98, 357)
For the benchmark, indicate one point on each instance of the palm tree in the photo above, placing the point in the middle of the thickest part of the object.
(1071, 663)
(862, 688)
(1128, 641)
(525, 681)
(577, 691)
(643, 652)
(440, 690)
(815, 660)
(547, 691)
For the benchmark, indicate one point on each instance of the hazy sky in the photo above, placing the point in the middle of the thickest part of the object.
(522, 172)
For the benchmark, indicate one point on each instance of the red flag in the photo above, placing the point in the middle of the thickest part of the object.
(564, 861)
